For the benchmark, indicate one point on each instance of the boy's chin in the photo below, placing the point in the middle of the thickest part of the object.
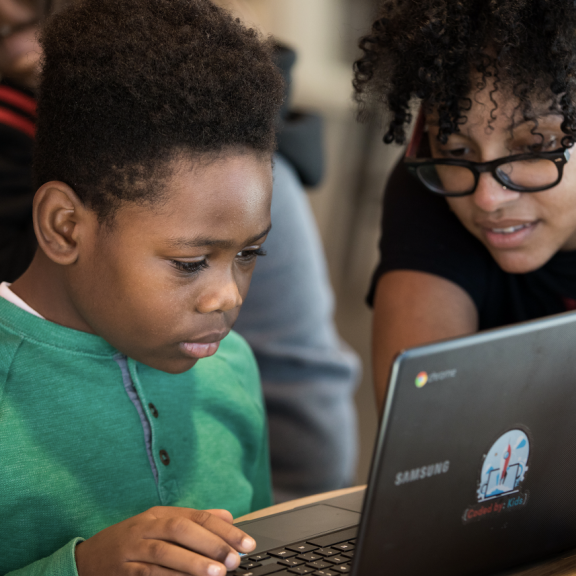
(172, 365)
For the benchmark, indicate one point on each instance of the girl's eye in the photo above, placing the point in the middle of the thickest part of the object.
(190, 267)
(455, 152)
(249, 254)
(544, 146)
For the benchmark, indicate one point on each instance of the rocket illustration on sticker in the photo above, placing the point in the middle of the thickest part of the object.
(504, 468)
(504, 464)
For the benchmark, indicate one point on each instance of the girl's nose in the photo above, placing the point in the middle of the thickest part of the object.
(490, 195)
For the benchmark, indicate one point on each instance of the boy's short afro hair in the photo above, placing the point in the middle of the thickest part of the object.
(128, 85)
(427, 49)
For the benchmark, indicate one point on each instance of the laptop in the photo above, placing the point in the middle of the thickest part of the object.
(473, 472)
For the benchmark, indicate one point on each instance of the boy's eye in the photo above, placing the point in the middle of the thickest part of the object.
(190, 267)
(249, 254)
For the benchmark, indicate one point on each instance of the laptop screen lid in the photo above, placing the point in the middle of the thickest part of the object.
(474, 470)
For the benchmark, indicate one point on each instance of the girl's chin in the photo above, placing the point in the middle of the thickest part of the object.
(519, 261)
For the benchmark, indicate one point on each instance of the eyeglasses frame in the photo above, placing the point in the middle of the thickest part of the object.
(559, 156)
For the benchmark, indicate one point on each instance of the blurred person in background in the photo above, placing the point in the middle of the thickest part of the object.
(483, 233)
(308, 374)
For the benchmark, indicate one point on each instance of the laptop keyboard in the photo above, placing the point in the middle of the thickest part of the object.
(326, 555)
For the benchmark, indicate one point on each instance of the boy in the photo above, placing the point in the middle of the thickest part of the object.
(153, 164)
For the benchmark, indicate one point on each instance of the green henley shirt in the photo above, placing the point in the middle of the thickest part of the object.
(73, 454)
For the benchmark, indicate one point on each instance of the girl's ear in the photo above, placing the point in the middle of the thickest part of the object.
(61, 221)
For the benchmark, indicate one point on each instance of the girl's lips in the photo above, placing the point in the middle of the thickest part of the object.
(509, 236)
(196, 350)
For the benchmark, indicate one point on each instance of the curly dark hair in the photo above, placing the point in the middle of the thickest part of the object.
(129, 85)
(427, 49)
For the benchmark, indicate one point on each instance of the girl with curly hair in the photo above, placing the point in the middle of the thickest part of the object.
(483, 232)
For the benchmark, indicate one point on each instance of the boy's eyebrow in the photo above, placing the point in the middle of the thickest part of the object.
(201, 241)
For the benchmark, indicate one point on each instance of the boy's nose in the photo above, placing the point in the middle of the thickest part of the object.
(221, 297)
(490, 195)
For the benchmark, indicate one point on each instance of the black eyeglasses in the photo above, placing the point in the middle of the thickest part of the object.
(532, 172)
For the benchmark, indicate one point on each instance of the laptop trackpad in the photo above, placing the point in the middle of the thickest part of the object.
(296, 525)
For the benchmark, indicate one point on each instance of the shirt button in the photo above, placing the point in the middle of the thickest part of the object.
(164, 457)
(153, 410)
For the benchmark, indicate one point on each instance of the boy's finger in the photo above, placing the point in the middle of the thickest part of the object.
(222, 514)
(146, 568)
(238, 539)
(190, 536)
(167, 559)
(231, 534)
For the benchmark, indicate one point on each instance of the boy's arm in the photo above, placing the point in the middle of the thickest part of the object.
(61, 563)
(159, 541)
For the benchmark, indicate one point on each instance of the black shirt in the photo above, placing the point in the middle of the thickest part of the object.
(17, 239)
(420, 232)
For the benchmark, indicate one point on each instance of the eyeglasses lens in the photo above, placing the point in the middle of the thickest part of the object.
(532, 174)
(445, 179)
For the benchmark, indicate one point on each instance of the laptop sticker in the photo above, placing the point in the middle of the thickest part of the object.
(503, 471)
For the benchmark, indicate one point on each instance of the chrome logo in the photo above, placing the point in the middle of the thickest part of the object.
(421, 379)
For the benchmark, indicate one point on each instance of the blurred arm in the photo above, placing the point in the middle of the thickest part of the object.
(413, 308)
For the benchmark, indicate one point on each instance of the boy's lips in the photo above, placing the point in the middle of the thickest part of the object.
(203, 347)
(196, 350)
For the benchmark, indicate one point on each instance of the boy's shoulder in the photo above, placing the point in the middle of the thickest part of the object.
(34, 348)
(10, 342)
(12, 334)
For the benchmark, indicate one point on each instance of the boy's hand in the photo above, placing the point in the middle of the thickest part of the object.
(165, 541)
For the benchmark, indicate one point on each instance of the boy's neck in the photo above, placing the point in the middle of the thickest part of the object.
(44, 289)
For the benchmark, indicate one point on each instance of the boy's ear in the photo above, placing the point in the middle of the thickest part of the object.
(60, 218)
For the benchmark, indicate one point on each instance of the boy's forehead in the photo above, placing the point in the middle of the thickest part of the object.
(198, 203)
(234, 177)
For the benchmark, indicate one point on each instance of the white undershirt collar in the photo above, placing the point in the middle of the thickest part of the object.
(6, 293)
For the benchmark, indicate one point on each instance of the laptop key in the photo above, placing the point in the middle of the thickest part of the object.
(302, 547)
(261, 570)
(319, 564)
(348, 554)
(259, 557)
(326, 552)
(291, 562)
(281, 553)
(337, 559)
(301, 570)
(341, 569)
(335, 537)
(249, 565)
(310, 556)
(324, 573)
(344, 547)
